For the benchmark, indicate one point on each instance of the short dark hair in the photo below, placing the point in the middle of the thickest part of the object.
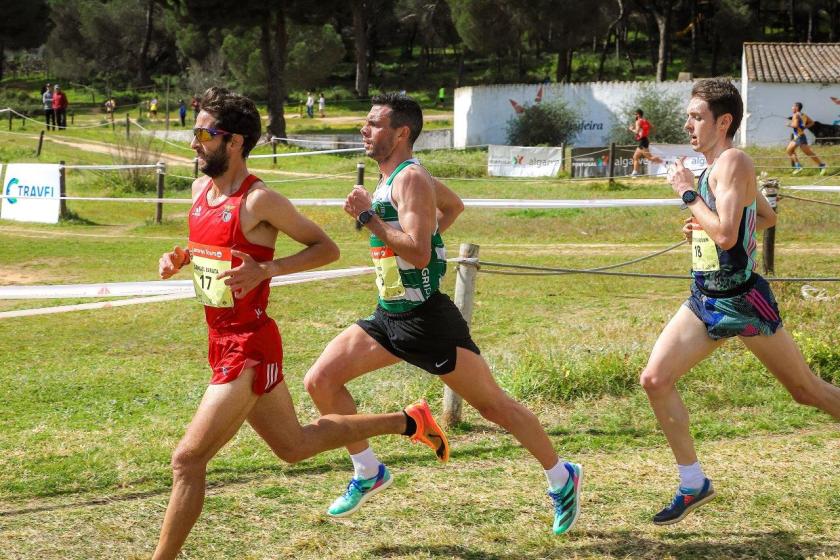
(723, 97)
(234, 113)
(798, 105)
(640, 112)
(404, 112)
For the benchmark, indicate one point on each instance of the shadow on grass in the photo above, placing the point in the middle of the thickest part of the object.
(756, 544)
(219, 477)
(632, 544)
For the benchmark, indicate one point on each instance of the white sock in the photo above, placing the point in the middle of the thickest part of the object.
(691, 476)
(365, 464)
(557, 475)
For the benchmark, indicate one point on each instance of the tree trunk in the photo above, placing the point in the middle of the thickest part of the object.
(791, 21)
(835, 22)
(570, 55)
(460, 79)
(143, 71)
(2, 56)
(562, 59)
(810, 24)
(694, 24)
(273, 47)
(652, 30)
(360, 33)
(606, 44)
(662, 22)
(715, 51)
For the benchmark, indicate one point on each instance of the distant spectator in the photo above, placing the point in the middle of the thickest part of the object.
(110, 106)
(799, 121)
(322, 104)
(310, 105)
(441, 96)
(153, 107)
(49, 112)
(182, 112)
(196, 106)
(59, 105)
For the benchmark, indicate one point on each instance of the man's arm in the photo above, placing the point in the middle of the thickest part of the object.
(765, 215)
(415, 197)
(449, 205)
(731, 176)
(171, 262)
(275, 209)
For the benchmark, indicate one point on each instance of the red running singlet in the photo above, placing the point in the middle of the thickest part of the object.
(218, 226)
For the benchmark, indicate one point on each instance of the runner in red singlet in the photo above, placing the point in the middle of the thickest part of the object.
(234, 222)
(641, 129)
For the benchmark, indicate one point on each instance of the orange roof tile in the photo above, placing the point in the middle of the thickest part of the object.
(793, 63)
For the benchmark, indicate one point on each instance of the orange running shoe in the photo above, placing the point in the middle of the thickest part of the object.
(428, 432)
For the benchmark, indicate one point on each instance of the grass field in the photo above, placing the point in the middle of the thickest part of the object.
(92, 403)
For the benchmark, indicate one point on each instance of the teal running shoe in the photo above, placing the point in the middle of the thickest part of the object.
(567, 500)
(359, 491)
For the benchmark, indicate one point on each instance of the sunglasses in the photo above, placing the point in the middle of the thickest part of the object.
(207, 134)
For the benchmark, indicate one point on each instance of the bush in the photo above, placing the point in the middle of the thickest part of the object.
(665, 111)
(551, 123)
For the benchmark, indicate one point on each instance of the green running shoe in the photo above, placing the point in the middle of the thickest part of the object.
(567, 500)
(358, 492)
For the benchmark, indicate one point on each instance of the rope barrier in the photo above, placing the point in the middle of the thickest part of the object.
(825, 202)
(164, 139)
(552, 271)
(43, 124)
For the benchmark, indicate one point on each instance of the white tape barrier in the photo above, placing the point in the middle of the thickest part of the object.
(298, 278)
(315, 153)
(112, 167)
(816, 188)
(154, 287)
(308, 141)
(503, 203)
(589, 203)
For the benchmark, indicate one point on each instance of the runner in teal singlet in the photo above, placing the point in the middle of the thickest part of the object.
(728, 298)
(414, 321)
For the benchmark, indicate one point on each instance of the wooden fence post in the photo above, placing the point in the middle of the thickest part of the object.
(40, 144)
(127, 127)
(274, 149)
(10, 119)
(62, 190)
(464, 296)
(612, 164)
(770, 189)
(161, 175)
(562, 157)
(195, 167)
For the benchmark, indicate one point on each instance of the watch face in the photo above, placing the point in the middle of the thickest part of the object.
(689, 196)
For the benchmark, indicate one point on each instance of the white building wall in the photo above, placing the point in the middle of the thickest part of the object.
(482, 112)
(769, 106)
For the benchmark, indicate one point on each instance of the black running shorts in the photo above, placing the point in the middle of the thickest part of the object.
(428, 336)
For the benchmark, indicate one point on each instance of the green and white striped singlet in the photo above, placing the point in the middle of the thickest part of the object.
(402, 287)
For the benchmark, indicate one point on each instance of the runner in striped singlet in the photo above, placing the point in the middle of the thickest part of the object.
(234, 223)
(728, 298)
(414, 321)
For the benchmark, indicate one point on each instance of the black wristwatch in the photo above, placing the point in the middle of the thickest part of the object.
(365, 216)
(689, 196)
